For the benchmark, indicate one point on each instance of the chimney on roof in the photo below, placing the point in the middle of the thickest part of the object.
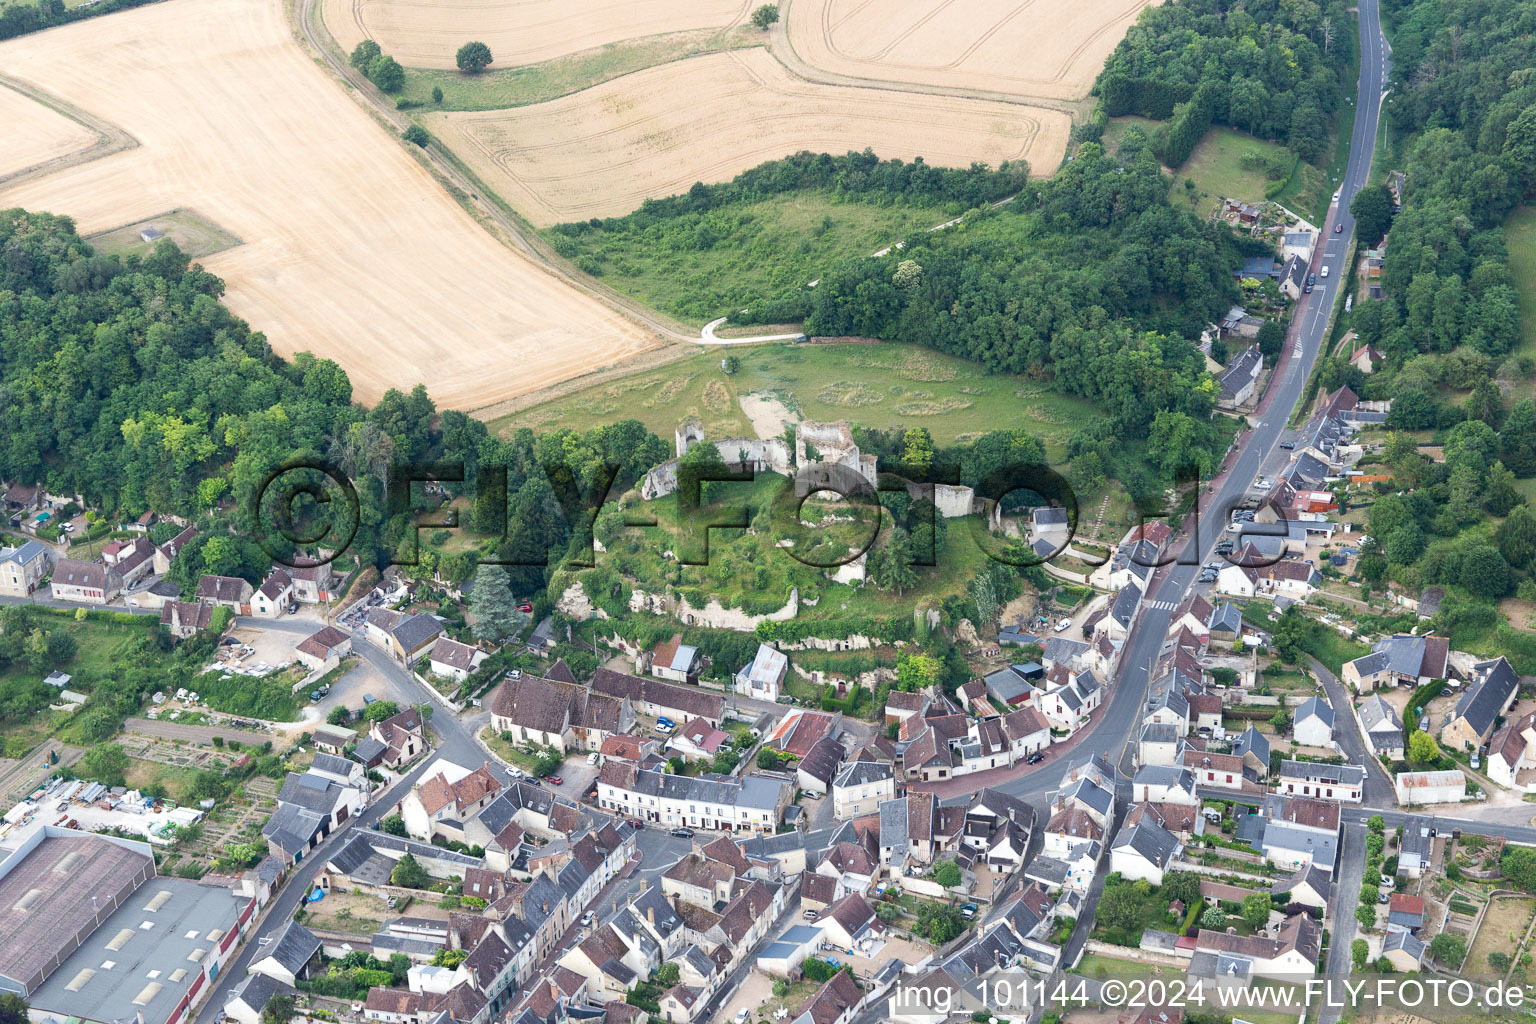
(650, 914)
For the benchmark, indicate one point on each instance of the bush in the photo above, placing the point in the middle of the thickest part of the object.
(947, 874)
(417, 135)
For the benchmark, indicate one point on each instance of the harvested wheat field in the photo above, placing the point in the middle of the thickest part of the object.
(35, 134)
(427, 33)
(351, 249)
(656, 132)
(1044, 49)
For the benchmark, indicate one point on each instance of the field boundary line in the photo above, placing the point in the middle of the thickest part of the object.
(109, 137)
(467, 189)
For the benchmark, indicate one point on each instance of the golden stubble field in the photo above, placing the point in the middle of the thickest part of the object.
(427, 33)
(34, 134)
(351, 249)
(1033, 49)
(654, 133)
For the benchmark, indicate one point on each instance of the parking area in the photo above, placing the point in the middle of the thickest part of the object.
(268, 646)
(575, 776)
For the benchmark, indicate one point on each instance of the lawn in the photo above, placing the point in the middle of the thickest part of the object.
(535, 83)
(1217, 168)
(1096, 964)
(700, 267)
(879, 386)
(1520, 239)
(194, 235)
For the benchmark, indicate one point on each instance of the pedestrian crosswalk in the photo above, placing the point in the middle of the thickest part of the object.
(1164, 606)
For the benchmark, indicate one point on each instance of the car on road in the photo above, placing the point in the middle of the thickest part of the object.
(682, 833)
(553, 780)
(1338, 229)
(587, 919)
(1325, 272)
(1034, 758)
(1288, 445)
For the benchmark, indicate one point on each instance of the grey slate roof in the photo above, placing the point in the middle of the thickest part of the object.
(312, 792)
(415, 631)
(1254, 742)
(1485, 699)
(1126, 603)
(1226, 618)
(292, 948)
(1315, 707)
(862, 773)
(291, 827)
(893, 823)
(1379, 716)
(1153, 842)
(1282, 835)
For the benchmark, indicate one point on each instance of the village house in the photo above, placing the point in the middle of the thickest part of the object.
(185, 618)
(273, 597)
(446, 797)
(762, 678)
(676, 661)
(1382, 728)
(230, 592)
(1342, 782)
(1313, 723)
(450, 659)
(1491, 690)
(22, 568)
(323, 650)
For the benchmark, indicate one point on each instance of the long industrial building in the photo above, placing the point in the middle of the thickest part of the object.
(92, 932)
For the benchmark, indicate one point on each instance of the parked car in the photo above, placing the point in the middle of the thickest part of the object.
(1337, 194)
(587, 919)
(1063, 624)
(683, 833)
(1477, 762)
(968, 910)
(742, 1016)
(1034, 758)
(525, 607)
(1388, 881)
(1288, 445)
(1383, 898)
(811, 914)
(553, 780)
(592, 758)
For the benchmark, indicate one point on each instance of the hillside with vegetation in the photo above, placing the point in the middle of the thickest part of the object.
(1463, 113)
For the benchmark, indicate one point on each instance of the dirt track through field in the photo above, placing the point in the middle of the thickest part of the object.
(36, 135)
(1043, 49)
(352, 250)
(603, 151)
(427, 33)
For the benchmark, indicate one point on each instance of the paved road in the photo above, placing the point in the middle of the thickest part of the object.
(1378, 786)
(1303, 343)
(300, 881)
